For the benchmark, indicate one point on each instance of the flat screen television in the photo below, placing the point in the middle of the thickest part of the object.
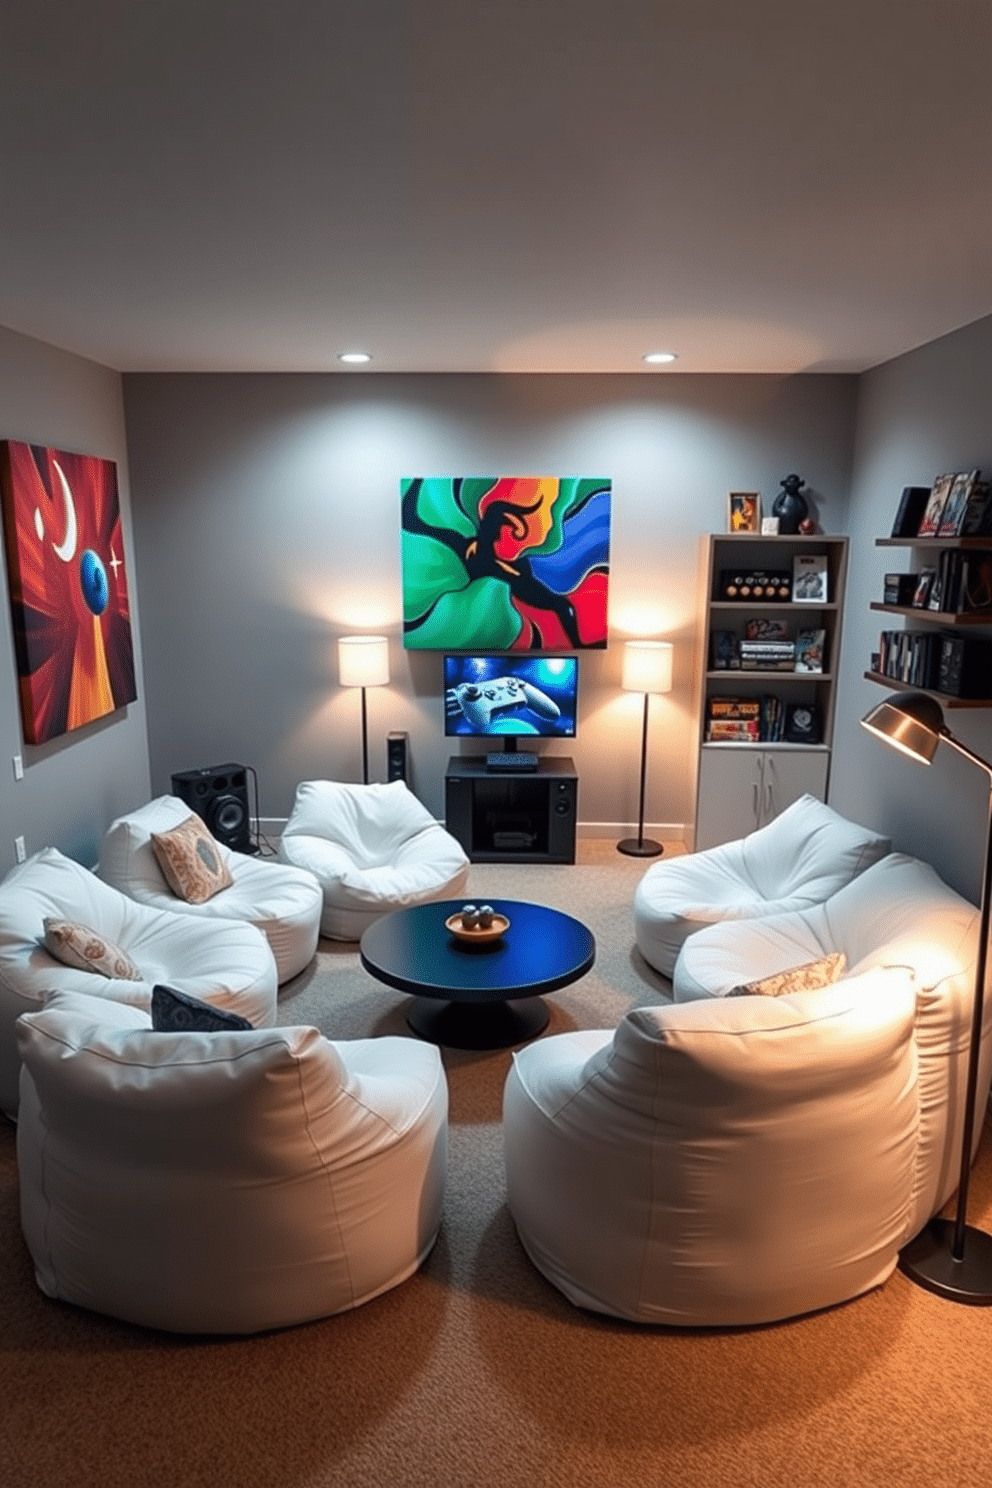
(510, 697)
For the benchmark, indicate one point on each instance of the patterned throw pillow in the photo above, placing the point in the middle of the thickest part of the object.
(79, 946)
(191, 861)
(177, 1012)
(805, 978)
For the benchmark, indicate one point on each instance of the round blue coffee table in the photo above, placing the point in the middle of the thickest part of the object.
(477, 996)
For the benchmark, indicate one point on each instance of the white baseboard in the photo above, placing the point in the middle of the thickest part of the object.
(614, 831)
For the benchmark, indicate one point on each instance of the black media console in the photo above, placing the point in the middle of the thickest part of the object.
(504, 817)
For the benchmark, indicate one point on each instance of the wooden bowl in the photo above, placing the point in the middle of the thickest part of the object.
(478, 936)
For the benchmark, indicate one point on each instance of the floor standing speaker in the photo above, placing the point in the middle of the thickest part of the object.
(219, 793)
(396, 757)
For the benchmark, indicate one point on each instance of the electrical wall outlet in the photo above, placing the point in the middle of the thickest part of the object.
(18, 767)
(20, 851)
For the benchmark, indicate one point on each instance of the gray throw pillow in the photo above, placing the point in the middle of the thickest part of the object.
(177, 1012)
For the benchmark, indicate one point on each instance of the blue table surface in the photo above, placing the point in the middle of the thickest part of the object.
(542, 950)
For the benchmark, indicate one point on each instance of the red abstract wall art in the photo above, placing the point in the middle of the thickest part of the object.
(68, 587)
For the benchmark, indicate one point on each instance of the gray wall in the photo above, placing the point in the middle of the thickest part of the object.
(919, 415)
(73, 786)
(266, 519)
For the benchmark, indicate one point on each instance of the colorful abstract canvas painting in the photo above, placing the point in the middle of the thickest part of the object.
(505, 563)
(68, 587)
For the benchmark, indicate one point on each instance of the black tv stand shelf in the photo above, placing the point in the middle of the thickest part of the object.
(509, 817)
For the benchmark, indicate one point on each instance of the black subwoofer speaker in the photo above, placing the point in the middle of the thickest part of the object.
(219, 793)
(396, 756)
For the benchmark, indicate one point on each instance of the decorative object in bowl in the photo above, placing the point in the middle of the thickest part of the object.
(475, 931)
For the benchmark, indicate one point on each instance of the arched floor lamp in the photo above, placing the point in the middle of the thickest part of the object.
(363, 661)
(949, 1257)
(647, 668)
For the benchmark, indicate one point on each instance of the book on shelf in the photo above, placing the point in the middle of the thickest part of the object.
(939, 492)
(910, 656)
(734, 707)
(899, 588)
(803, 724)
(977, 519)
(766, 646)
(810, 580)
(952, 517)
(912, 505)
(964, 666)
(755, 720)
(726, 656)
(962, 583)
(810, 650)
(772, 718)
(761, 628)
(975, 593)
(722, 731)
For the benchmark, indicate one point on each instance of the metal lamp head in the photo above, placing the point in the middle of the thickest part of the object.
(911, 722)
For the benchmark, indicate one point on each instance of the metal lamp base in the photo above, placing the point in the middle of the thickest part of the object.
(640, 847)
(928, 1261)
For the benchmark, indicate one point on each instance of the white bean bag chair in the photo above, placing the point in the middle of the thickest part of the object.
(284, 902)
(372, 848)
(720, 1163)
(897, 913)
(224, 962)
(223, 1182)
(802, 857)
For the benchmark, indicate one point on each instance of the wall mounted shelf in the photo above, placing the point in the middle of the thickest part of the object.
(945, 699)
(935, 617)
(943, 618)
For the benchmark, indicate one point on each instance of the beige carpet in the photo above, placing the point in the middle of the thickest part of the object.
(476, 1372)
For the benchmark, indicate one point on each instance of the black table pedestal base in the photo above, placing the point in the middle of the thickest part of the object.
(478, 1025)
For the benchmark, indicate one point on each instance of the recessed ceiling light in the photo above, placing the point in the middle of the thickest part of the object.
(657, 357)
(354, 357)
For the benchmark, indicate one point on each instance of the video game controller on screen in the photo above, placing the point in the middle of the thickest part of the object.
(480, 700)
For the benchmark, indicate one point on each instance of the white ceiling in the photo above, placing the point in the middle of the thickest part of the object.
(480, 185)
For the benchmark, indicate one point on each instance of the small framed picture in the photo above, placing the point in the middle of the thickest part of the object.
(810, 584)
(924, 583)
(744, 511)
(769, 526)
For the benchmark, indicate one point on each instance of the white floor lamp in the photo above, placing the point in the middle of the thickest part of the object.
(949, 1257)
(647, 668)
(363, 661)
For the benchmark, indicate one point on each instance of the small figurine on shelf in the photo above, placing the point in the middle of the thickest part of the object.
(790, 506)
(807, 526)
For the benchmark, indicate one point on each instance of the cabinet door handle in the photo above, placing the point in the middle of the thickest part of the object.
(754, 800)
(758, 788)
(769, 790)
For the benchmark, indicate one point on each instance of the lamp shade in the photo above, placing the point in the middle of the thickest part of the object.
(911, 722)
(647, 666)
(363, 661)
